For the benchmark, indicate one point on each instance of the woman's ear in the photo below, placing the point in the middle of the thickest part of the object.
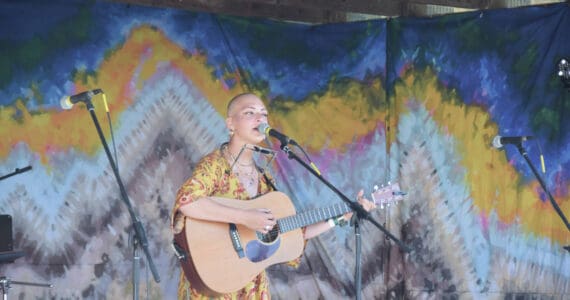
(229, 124)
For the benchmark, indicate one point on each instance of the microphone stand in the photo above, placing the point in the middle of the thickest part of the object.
(5, 282)
(543, 185)
(359, 214)
(139, 238)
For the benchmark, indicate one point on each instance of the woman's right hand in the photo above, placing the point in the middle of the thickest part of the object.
(259, 219)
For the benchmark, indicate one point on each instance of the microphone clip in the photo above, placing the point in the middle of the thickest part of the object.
(259, 149)
(255, 148)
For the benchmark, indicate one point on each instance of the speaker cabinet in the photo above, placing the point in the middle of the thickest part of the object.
(6, 242)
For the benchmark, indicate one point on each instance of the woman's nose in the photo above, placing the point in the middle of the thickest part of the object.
(260, 117)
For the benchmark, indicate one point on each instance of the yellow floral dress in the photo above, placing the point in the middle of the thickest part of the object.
(212, 177)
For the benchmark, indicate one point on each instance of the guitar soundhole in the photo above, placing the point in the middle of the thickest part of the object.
(270, 236)
(265, 245)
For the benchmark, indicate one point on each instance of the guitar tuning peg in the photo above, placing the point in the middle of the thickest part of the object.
(375, 187)
(389, 183)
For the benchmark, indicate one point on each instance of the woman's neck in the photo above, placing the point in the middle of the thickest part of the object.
(234, 148)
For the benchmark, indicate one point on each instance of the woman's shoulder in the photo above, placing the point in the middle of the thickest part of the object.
(214, 159)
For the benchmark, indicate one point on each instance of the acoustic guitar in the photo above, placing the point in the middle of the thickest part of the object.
(222, 258)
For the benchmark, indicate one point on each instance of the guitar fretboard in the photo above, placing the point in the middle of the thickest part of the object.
(311, 217)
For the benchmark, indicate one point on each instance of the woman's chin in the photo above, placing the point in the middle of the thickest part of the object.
(258, 139)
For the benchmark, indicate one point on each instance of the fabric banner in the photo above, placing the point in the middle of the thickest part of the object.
(413, 101)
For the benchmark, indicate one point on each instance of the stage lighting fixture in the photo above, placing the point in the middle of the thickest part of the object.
(564, 72)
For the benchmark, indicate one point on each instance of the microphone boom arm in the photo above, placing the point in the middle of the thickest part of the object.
(16, 172)
(355, 206)
(359, 213)
(543, 185)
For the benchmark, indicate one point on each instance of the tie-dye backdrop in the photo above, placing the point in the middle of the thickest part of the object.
(414, 101)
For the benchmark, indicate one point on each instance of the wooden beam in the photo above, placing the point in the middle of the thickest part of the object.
(316, 11)
(370, 7)
(470, 4)
(319, 11)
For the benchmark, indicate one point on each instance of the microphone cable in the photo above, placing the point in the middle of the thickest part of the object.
(111, 130)
(311, 163)
(542, 165)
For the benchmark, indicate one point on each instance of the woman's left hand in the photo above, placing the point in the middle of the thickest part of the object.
(366, 204)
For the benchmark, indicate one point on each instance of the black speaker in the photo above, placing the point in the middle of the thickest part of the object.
(6, 239)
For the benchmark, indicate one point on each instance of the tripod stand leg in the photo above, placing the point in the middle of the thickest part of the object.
(5, 285)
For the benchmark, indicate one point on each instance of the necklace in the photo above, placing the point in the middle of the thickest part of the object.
(234, 160)
(246, 173)
(247, 177)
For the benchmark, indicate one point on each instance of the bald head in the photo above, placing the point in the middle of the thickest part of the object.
(230, 110)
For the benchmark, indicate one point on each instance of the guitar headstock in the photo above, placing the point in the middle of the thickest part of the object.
(386, 195)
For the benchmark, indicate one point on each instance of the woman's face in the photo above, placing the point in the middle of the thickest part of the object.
(244, 116)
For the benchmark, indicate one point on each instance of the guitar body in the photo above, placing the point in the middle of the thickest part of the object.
(225, 257)
(214, 266)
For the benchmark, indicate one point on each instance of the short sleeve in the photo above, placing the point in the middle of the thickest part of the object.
(202, 183)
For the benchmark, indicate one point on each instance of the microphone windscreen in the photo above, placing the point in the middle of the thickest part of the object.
(497, 142)
(65, 103)
(263, 127)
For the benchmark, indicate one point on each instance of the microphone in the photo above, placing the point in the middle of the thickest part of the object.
(500, 141)
(67, 102)
(265, 128)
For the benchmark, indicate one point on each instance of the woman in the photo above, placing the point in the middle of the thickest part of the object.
(229, 172)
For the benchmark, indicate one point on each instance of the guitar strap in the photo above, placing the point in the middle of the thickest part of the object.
(269, 182)
(179, 252)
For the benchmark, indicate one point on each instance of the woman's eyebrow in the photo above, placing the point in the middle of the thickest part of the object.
(253, 107)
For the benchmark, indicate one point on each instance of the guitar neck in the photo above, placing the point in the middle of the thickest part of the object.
(383, 196)
(312, 216)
